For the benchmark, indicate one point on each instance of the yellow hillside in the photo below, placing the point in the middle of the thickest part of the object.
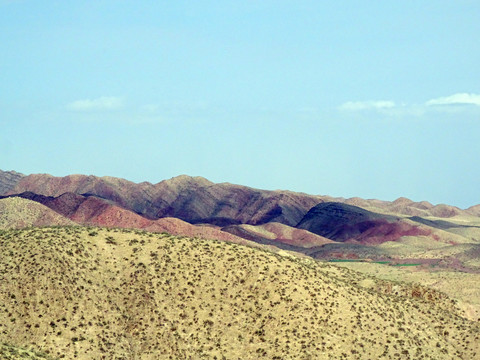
(115, 294)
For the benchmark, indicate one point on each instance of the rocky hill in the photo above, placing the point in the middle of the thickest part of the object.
(92, 293)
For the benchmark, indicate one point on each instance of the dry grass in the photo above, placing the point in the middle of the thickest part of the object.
(116, 294)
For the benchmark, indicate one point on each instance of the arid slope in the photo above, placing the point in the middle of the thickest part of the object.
(18, 213)
(101, 293)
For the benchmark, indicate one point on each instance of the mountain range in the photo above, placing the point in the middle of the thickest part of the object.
(316, 225)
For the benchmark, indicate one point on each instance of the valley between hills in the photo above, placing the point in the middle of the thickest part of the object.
(104, 268)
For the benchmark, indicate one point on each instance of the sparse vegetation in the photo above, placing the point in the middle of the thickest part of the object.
(121, 294)
(8, 352)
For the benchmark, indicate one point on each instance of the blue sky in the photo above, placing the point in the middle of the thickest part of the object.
(347, 98)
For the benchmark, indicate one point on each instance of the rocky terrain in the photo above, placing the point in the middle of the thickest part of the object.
(93, 293)
(197, 198)
(8, 180)
(192, 199)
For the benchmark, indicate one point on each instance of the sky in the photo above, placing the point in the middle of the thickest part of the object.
(375, 99)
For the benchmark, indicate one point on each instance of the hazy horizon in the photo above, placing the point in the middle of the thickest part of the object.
(375, 100)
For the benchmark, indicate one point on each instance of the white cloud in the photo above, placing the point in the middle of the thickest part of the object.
(101, 103)
(367, 105)
(456, 99)
(453, 104)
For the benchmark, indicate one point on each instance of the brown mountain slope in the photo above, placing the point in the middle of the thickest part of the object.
(192, 199)
(226, 204)
(474, 210)
(66, 204)
(121, 294)
(118, 190)
(404, 206)
(8, 180)
(94, 211)
(18, 213)
(197, 200)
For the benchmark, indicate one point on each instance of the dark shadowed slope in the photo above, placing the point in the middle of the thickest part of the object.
(123, 192)
(226, 204)
(342, 222)
(70, 205)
